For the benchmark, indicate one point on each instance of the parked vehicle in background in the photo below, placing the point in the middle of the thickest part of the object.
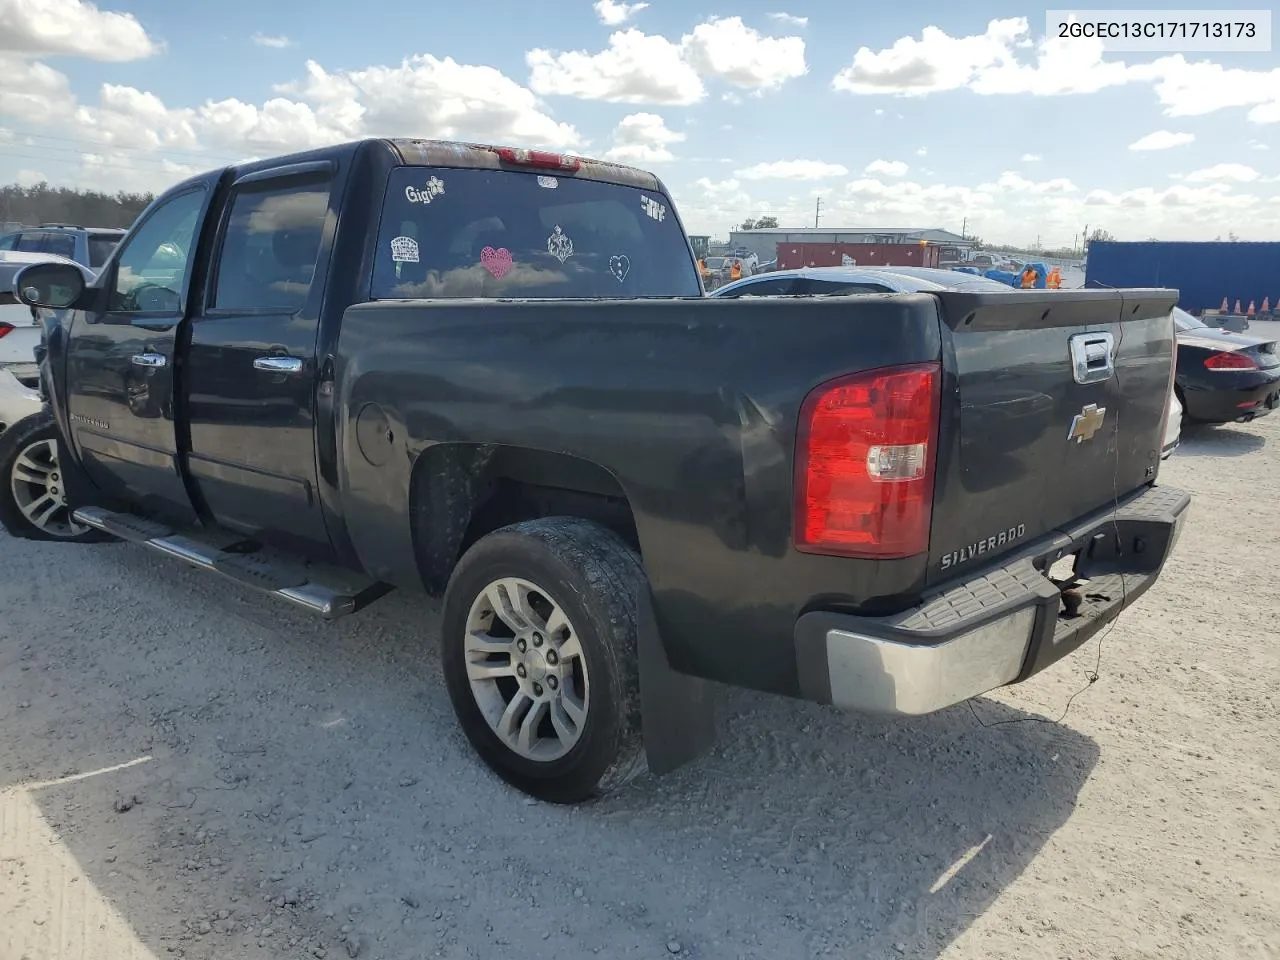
(1224, 377)
(490, 373)
(846, 281)
(839, 281)
(85, 245)
(1172, 428)
(17, 401)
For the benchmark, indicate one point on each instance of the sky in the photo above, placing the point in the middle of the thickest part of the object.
(959, 116)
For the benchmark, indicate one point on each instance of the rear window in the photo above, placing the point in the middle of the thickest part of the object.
(450, 232)
(100, 247)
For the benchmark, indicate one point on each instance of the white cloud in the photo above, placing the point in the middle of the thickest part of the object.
(1162, 140)
(642, 138)
(274, 42)
(636, 68)
(1222, 172)
(793, 170)
(789, 20)
(922, 151)
(426, 95)
(890, 168)
(612, 13)
(642, 68)
(1031, 158)
(34, 28)
(1192, 89)
(993, 63)
(728, 49)
(1258, 145)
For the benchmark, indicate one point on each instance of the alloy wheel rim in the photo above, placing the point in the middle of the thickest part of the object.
(38, 490)
(526, 669)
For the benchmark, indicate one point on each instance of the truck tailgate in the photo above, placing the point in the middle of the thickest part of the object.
(1054, 409)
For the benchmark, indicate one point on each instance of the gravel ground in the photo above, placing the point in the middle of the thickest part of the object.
(188, 770)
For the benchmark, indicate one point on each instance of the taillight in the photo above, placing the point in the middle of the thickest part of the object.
(1173, 379)
(865, 452)
(5, 329)
(539, 158)
(1230, 361)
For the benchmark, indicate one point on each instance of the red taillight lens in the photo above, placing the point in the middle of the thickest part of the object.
(865, 452)
(539, 158)
(5, 328)
(1230, 361)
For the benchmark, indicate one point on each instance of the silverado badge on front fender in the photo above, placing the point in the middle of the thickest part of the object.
(1086, 423)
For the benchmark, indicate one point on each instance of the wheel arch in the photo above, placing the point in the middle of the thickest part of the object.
(460, 491)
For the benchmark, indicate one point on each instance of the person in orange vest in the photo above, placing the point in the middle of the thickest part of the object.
(735, 272)
(1028, 277)
(1054, 280)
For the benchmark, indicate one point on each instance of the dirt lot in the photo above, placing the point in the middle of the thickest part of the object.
(188, 770)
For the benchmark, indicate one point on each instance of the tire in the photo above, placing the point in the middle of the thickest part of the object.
(32, 500)
(588, 739)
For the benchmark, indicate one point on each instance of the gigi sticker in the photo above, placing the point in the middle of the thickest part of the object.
(433, 189)
(620, 266)
(498, 262)
(559, 245)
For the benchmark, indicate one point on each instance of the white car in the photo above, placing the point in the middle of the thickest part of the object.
(20, 331)
(16, 401)
(832, 281)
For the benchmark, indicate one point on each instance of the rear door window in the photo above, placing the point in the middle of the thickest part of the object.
(450, 232)
(62, 244)
(778, 287)
(100, 247)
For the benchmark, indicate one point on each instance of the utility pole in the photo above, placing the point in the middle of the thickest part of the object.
(817, 212)
(964, 223)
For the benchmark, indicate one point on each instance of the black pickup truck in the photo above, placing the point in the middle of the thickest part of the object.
(492, 374)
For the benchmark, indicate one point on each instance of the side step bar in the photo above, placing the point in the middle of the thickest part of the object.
(334, 595)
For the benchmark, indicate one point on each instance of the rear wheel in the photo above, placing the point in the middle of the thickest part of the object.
(539, 639)
(33, 500)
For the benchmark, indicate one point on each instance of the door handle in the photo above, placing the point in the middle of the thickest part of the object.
(278, 364)
(151, 360)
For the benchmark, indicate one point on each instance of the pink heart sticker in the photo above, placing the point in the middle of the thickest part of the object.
(497, 262)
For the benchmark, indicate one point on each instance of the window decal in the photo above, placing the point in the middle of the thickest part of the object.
(404, 250)
(433, 189)
(498, 262)
(620, 266)
(559, 245)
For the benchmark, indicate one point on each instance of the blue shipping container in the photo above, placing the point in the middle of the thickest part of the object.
(1202, 273)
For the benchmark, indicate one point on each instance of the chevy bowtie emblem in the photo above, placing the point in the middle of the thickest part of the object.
(1087, 422)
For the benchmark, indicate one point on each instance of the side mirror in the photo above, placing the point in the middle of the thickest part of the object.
(55, 286)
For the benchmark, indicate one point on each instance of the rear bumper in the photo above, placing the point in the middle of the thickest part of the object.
(997, 627)
(1244, 397)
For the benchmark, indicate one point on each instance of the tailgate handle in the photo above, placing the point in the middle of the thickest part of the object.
(1092, 359)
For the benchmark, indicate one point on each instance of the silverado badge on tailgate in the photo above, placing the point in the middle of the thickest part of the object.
(1087, 422)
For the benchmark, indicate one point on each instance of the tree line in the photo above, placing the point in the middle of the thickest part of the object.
(89, 208)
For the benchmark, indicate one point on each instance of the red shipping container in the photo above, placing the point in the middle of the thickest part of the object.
(792, 256)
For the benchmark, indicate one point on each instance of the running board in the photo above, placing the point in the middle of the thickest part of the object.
(327, 592)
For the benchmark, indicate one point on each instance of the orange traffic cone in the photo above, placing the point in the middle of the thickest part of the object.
(1252, 312)
(1238, 306)
(1225, 308)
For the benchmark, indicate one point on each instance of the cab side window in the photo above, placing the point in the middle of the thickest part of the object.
(271, 246)
(152, 270)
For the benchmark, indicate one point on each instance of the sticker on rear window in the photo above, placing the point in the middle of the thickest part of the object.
(404, 250)
(498, 262)
(549, 182)
(620, 266)
(652, 208)
(559, 245)
(433, 189)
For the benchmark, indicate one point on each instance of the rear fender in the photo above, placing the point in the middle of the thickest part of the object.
(461, 491)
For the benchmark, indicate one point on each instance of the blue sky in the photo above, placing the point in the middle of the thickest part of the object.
(914, 116)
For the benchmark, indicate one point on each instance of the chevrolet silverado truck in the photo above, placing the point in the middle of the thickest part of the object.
(492, 375)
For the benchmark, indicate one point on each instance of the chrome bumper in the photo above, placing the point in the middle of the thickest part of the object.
(998, 627)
